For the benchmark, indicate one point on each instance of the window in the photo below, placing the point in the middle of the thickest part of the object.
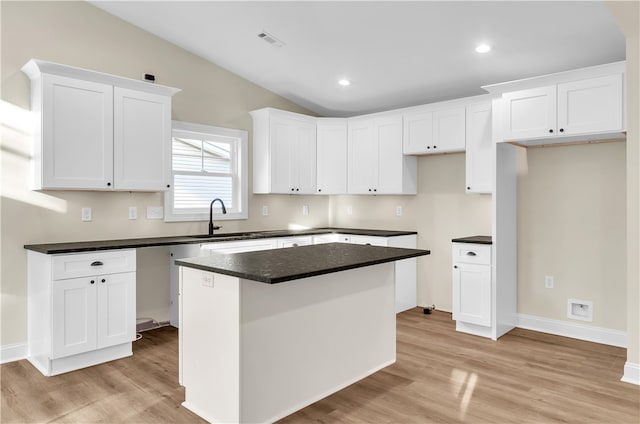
(207, 162)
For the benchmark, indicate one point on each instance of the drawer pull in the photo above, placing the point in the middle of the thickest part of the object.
(471, 253)
(96, 263)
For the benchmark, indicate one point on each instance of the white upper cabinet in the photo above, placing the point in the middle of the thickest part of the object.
(284, 152)
(592, 105)
(142, 123)
(363, 157)
(96, 131)
(331, 155)
(572, 106)
(417, 133)
(376, 163)
(449, 130)
(77, 134)
(479, 152)
(434, 131)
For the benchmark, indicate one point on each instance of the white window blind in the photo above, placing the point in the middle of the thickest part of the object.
(207, 162)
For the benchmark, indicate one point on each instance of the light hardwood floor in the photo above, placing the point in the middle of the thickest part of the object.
(440, 376)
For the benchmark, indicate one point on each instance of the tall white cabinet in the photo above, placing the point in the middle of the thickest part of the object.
(96, 131)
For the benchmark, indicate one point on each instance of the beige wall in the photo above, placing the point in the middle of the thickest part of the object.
(441, 211)
(78, 34)
(571, 225)
(628, 16)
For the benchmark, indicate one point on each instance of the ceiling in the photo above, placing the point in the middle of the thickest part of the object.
(395, 53)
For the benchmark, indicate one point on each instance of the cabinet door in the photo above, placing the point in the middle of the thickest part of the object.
(282, 134)
(417, 133)
(331, 157)
(448, 130)
(142, 140)
(362, 158)
(77, 134)
(530, 113)
(590, 106)
(388, 135)
(116, 306)
(472, 293)
(304, 161)
(73, 316)
(479, 149)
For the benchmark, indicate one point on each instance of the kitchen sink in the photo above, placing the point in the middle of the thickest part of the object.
(222, 235)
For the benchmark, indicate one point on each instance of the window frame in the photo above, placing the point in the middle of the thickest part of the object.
(240, 177)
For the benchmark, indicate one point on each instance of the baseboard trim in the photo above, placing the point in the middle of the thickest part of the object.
(13, 352)
(575, 331)
(631, 373)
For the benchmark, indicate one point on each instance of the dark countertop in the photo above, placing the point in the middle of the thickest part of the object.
(89, 246)
(474, 239)
(280, 265)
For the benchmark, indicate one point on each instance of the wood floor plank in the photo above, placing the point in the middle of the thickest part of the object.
(440, 376)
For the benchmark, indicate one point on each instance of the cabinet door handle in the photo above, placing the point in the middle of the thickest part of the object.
(96, 263)
(561, 129)
(455, 266)
(93, 282)
(471, 254)
(103, 280)
(550, 131)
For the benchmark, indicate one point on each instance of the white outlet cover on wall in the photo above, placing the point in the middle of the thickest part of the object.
(155, 212)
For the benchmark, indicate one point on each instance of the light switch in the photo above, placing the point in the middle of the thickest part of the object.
(305, 209)
(265, 210)
(86, 214)
(133, 212)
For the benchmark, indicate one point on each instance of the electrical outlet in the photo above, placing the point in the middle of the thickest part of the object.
(548, 282)
(133, 212)
(305, 209)
(398, 210)
(349, 210)
(207, 279)
(265, 210)
(86, 214)
(155, 212)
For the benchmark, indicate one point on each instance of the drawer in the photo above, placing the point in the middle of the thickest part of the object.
(471, 253)
(93, 263)
(374, 241)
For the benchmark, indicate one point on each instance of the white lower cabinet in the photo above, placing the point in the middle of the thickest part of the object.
(81, 309)
(405, 270)
(471, 281)
(294, 241)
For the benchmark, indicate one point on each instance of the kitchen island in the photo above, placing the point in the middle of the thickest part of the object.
(266, 333)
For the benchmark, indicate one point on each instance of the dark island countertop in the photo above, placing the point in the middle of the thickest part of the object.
(473, 239)
(89, 246)
(280, 265)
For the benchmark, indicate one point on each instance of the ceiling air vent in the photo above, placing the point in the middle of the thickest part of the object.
(270, 39)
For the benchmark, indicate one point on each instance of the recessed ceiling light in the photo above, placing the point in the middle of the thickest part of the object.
(344, 82)
(483, 48)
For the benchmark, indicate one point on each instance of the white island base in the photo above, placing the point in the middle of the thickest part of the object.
(253, 352)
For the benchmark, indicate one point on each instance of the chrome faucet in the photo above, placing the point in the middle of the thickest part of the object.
(224, 211)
